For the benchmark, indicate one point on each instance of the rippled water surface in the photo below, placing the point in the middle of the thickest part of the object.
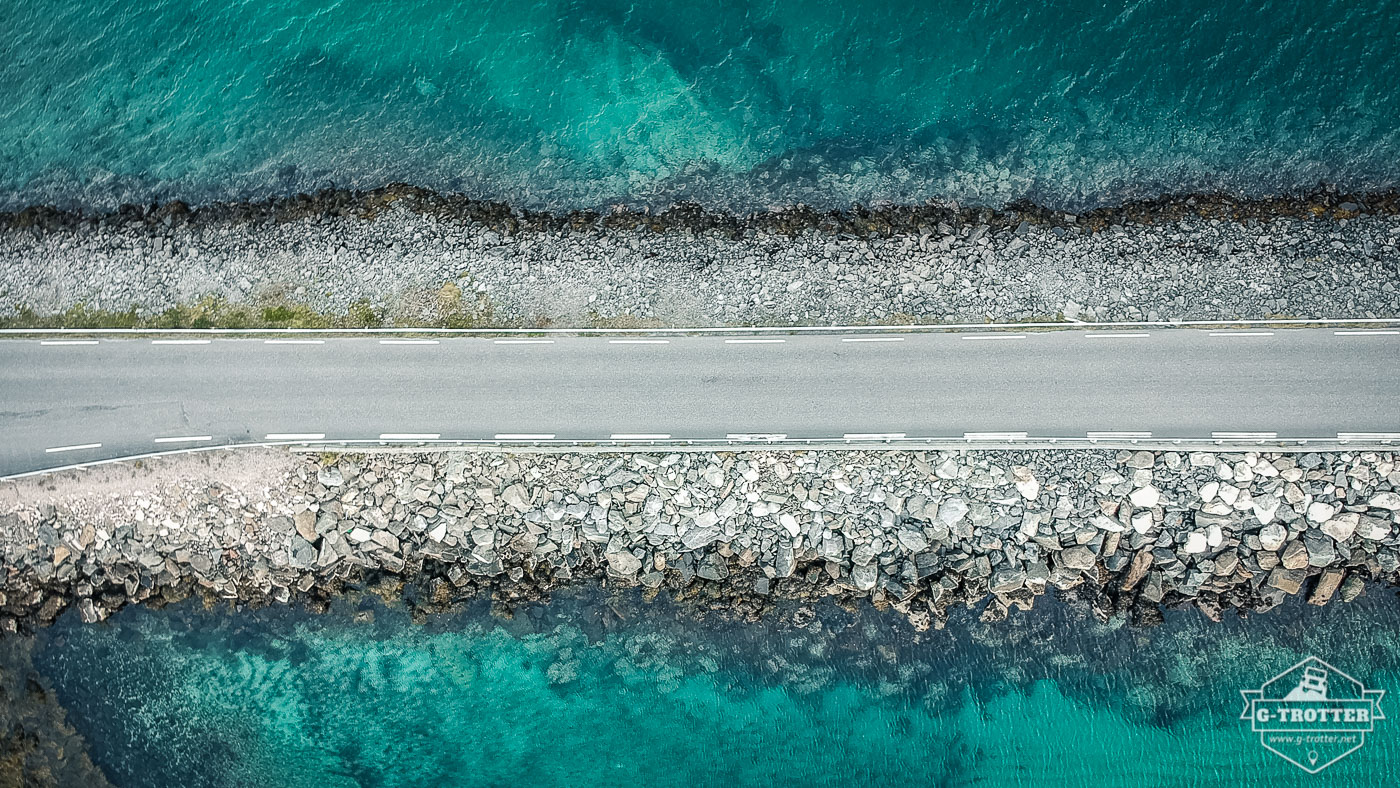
(591, 691)
(569, 103)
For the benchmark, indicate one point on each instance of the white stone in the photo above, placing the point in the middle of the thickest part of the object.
(1374, 528)
(1265, 508)
(1105, 523)
(790, 523)
(438, 533)
(1196, 542)
(1142, 522)
(1272, 536)
(1214, 536)
(952, 510)
(1320, 512)
(1229, 493)
(1209, 490)
(1342, 526)
(1029, 489)
(1145, 497)
(706, 519)
(360, 535)
(1385, 500)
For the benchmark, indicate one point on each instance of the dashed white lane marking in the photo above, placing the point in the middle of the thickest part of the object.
(873, 436)
(1374, 332)
(179, 341)
(873, 339)
(1244, 436)
(294, 436)
(994, 436)
(1241, 333)
(77, 447)
(294, 341)
(639, 341)
(756, 436)
(185, 439)
(69, 342)
(525, 436)
(640, 436)
(523, 341)
(993, 336)
(408, 341)
(754, 341)
(409, 436)
(1368, 436)
(1118, 435)
(1115, 335)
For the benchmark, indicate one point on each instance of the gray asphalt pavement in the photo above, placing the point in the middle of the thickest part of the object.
(133, 396)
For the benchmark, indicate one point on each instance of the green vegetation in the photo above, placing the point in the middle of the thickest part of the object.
(447, 308)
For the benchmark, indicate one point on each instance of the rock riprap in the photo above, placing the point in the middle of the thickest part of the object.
(920, 531)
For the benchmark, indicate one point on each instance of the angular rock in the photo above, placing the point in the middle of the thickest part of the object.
(1078, 557)
(1145, 497)
(624, 563)
(1342, 526)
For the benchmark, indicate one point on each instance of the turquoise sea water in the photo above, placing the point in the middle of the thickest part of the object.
(576, 103)
(588, 691)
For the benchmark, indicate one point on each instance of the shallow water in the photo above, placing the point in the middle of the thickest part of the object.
(591, 691)
(576, 103)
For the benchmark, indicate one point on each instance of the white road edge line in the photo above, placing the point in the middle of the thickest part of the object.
(294, 341)
(873, 436)
(408, 341)
(179, 341)
(754, 341)
(1113, 435)
(639, 341)
(185, 439)
(1368, 436)
(1241, 333)
(295, 436)
(73, 448)
(994, 436)
(994, 336)
(409, 436)
(873, 339)
(936, 327)
(523, 341)
(69, 342)
(1114, 335)
(525, 436)
(640, 436)
(1365, 333)
(1263, 436)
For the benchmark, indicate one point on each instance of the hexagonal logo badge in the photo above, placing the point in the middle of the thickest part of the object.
(1312, 715)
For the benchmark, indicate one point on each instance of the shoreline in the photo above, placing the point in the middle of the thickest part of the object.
(876, 219)
(1127, 533)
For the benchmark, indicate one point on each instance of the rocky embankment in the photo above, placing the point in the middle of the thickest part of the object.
(919, 531)
(401, 256)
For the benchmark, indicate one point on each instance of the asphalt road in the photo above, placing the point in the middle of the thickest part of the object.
(134, 396)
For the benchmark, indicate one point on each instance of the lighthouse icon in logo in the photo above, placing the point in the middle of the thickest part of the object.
(1312, 687)
(1312, 715)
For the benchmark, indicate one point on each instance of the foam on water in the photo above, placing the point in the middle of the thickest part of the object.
(580, 103)
(274, 698)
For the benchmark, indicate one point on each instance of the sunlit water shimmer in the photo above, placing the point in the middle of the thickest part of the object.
(570, 694)
(576, 103)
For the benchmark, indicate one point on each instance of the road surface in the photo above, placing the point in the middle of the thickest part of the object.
(67, 401)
